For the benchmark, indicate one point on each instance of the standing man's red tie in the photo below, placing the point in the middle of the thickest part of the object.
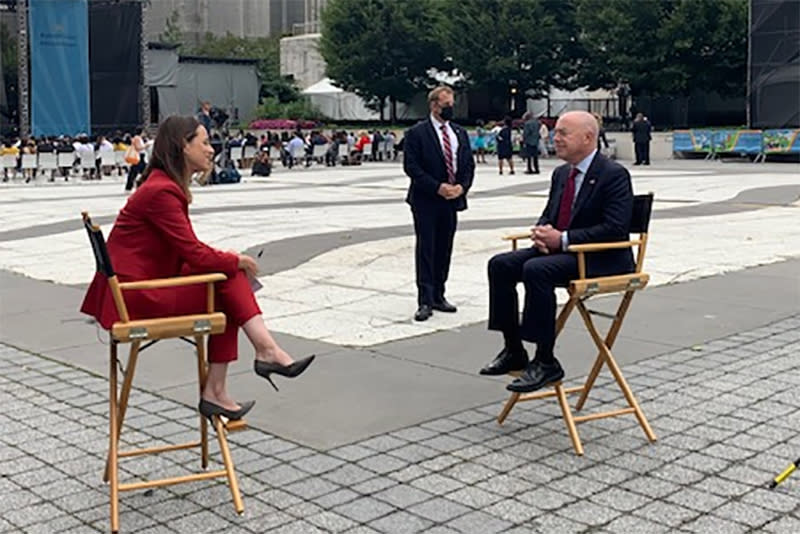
(448, 155)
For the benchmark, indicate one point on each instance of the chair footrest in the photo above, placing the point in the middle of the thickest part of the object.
(172, 480)
(603, 415)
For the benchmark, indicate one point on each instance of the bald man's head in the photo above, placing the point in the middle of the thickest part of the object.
(575, 136)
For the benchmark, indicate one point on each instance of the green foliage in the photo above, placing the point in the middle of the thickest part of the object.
(272, 108)
(266, 50)
(530, 43)
(172, 32)
(381, 49)
(668, 47)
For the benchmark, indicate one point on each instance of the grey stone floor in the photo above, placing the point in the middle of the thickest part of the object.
(726, 413)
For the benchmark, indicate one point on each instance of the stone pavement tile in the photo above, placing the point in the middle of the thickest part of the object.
(771, 500)
(440, 529)
(272, 446)
(362, 529)
(350, 474)
(439, 510)
(546, 498)
(513, 510)
(536, 473)
(264, 523)
(677, 474)
(474, 497)
(619, 499)
(401, 523)
(722, 487)
(440, 463)
(747, 514)
(478, 522)
(444, 425)
(21, 500)
(297, 527)
(316, 464)
(630, 524)
(703, 463)
(336, 498)
(651, 487)
(27, 515)
(311, 488)
(294, 454)
(472, 451)
(280, 475)
(84, 529)
(330, 522)
(709, 524)
(552, 523)
(382, 463)
(500, 461)
(413, 453)
(352, 453)
(578, 486)
(303, 509)
(666, 514)
(783, 525)
(696, 500)
(506, 485)
(445, 443)
(364, 510)
(383, 443)
(468, 472)
(412, 472)
(436, 484)
(403, 496)
(279, 499)
(57, 524)
(414, 434)
(589, 513)
(374, 485)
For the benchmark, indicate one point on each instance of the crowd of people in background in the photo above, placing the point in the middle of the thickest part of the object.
(127, 152)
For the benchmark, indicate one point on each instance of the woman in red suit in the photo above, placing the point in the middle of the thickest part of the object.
(153, 238)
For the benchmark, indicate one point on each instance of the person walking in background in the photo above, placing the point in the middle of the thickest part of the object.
(480, 143)
(641, 130)
(530, 142)
(544, 138)
(505, 149)
(137, 166)
(437, 157)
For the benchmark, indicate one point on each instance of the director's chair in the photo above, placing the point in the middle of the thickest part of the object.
(142, 334)
(581, 290)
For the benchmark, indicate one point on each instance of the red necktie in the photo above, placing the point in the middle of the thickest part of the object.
(448, 155)
(565, 209)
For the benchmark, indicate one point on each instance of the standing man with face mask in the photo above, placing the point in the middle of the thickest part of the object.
(438, 160)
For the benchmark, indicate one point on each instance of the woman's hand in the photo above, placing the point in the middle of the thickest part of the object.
(248, 265)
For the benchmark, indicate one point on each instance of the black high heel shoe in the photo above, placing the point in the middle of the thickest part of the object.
(292, 370)
(209, 410)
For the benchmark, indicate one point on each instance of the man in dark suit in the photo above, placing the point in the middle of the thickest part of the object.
(641, 139)
(438, 159)
(591, 200)
(530, 142)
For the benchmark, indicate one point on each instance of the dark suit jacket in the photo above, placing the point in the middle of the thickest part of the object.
(602, 212)
(641, 131)
(423, 162)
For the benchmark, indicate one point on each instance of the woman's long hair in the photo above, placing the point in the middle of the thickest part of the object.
(172, 136)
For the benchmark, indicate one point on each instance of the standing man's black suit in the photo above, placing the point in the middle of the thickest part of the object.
(642, 134)
(434, 215)
(601, 212)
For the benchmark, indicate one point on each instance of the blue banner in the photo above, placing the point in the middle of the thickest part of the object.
(738, 141)
(59, 51)
(782, 141)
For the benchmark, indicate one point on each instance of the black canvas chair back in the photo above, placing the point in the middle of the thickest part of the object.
(642, 208)
(98, 242)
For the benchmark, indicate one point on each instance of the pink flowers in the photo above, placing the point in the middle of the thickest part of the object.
(281, 124)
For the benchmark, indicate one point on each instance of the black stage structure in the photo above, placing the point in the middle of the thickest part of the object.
(774, 64)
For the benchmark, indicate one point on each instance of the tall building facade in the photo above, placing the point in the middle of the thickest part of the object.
(243, 18)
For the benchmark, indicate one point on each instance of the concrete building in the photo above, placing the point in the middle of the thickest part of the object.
(243, 18)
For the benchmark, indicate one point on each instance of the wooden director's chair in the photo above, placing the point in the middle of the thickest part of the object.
(150, 331)
(580, 291)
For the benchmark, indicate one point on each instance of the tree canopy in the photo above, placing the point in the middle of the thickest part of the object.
(381, 49)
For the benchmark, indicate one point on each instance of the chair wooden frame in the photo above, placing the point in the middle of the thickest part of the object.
(150, 331)
(580, 290)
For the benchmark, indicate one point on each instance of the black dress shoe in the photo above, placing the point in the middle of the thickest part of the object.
(423, 313)
(292, 370)
(505, 362)
(536, 376)
(444, 306)
(209, 409)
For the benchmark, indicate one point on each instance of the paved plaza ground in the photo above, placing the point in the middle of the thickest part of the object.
(392, 430)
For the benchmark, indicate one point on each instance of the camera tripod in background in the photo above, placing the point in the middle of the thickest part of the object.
(785, 474)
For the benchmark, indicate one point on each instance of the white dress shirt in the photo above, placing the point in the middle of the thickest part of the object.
(437, 126)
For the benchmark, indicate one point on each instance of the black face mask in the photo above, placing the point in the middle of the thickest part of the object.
(446, 113)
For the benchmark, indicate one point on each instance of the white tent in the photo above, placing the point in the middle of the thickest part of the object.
(337, 103)
(560, 101)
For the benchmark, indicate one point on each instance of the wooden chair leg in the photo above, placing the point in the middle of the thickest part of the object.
(611, 337)
(201, 379)
(113, 437)
(615, 370)
(233, 484)
(568, 419)
(124, 395)
(512, 400)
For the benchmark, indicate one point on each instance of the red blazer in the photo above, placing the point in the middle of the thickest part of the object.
(153, 238)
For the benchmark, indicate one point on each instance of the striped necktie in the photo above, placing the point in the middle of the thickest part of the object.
(448, 155)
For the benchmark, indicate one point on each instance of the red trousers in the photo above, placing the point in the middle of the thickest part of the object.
(233, 297)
